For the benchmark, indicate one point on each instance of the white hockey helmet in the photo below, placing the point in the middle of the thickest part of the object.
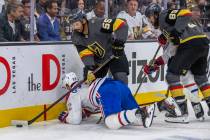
(69, 80)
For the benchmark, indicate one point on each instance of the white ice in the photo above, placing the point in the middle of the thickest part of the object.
(89, 130)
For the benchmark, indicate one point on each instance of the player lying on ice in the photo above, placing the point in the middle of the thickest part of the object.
(112, 97)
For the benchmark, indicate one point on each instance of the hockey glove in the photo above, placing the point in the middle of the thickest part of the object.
(118, 47)
(62, 116)
(162, 40)
(88, 74)
(159, 61)
(118, 51)
(174, 37)
(149, 69)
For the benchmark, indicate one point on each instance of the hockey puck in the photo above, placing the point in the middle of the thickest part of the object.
(19, 125)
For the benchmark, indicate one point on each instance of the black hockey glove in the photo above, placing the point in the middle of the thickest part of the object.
(174, 37)
(118, 47)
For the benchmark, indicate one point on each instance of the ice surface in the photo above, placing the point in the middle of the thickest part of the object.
(89, 130)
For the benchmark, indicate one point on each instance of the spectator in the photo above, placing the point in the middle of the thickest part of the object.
(72, 4)
(90, 4)
(98, 11)
(5, 3)
(40, 7)
(171, 5)
(48, 24)
(80, 6)
(2, 3)
(114, 9)
(10, 25)
(137, 23)
(143, 5)
(69, 4)
(25, 22)
(196, 12)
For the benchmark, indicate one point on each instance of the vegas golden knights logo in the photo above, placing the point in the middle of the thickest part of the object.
(97, 49)
(137, 32)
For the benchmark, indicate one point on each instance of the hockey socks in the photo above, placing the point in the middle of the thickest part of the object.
(116, 121)
(140, 115)
(192, 94)
(206, 93)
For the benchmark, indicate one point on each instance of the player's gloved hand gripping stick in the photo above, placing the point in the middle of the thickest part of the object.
(151, 63)
(20, 123)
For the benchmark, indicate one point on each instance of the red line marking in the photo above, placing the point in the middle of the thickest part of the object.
(45, 114)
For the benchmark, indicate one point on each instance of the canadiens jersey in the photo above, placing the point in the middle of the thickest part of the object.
(95, 45)
(181, 21)
(89, 96)
(138, 25)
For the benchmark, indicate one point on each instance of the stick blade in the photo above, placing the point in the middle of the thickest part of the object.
(19, 123)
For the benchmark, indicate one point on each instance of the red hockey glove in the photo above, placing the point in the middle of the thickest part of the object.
(149, 69)
(162, 40)
(159, 61)
(62, 116)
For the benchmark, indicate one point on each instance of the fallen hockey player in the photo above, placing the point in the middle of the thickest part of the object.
(112, 97)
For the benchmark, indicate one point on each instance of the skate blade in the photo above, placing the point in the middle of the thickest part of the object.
(202, 119)
(182, 120)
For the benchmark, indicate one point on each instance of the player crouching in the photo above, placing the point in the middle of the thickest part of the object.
(112, 97)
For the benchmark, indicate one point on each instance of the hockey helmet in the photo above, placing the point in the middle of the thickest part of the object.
(152, 9)
(78, 16)
(69, 80)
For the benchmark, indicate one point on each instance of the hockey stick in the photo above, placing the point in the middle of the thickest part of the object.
(151, 63)
(20, 123)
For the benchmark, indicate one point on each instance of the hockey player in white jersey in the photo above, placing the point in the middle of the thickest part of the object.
(112, 97)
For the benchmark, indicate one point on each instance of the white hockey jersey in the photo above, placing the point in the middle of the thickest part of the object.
(138, 25)
(83, 99)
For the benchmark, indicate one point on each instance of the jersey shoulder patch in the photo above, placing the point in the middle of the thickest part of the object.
(184, 12)
(111, 25)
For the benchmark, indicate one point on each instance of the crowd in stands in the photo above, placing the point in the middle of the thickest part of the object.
(52, 19)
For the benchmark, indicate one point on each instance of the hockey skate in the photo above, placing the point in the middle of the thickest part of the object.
(199, 112)
(146, 114)
(169, 105)
(184, 118)
(208, 104)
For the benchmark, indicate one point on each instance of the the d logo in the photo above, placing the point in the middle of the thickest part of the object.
(46, 85)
